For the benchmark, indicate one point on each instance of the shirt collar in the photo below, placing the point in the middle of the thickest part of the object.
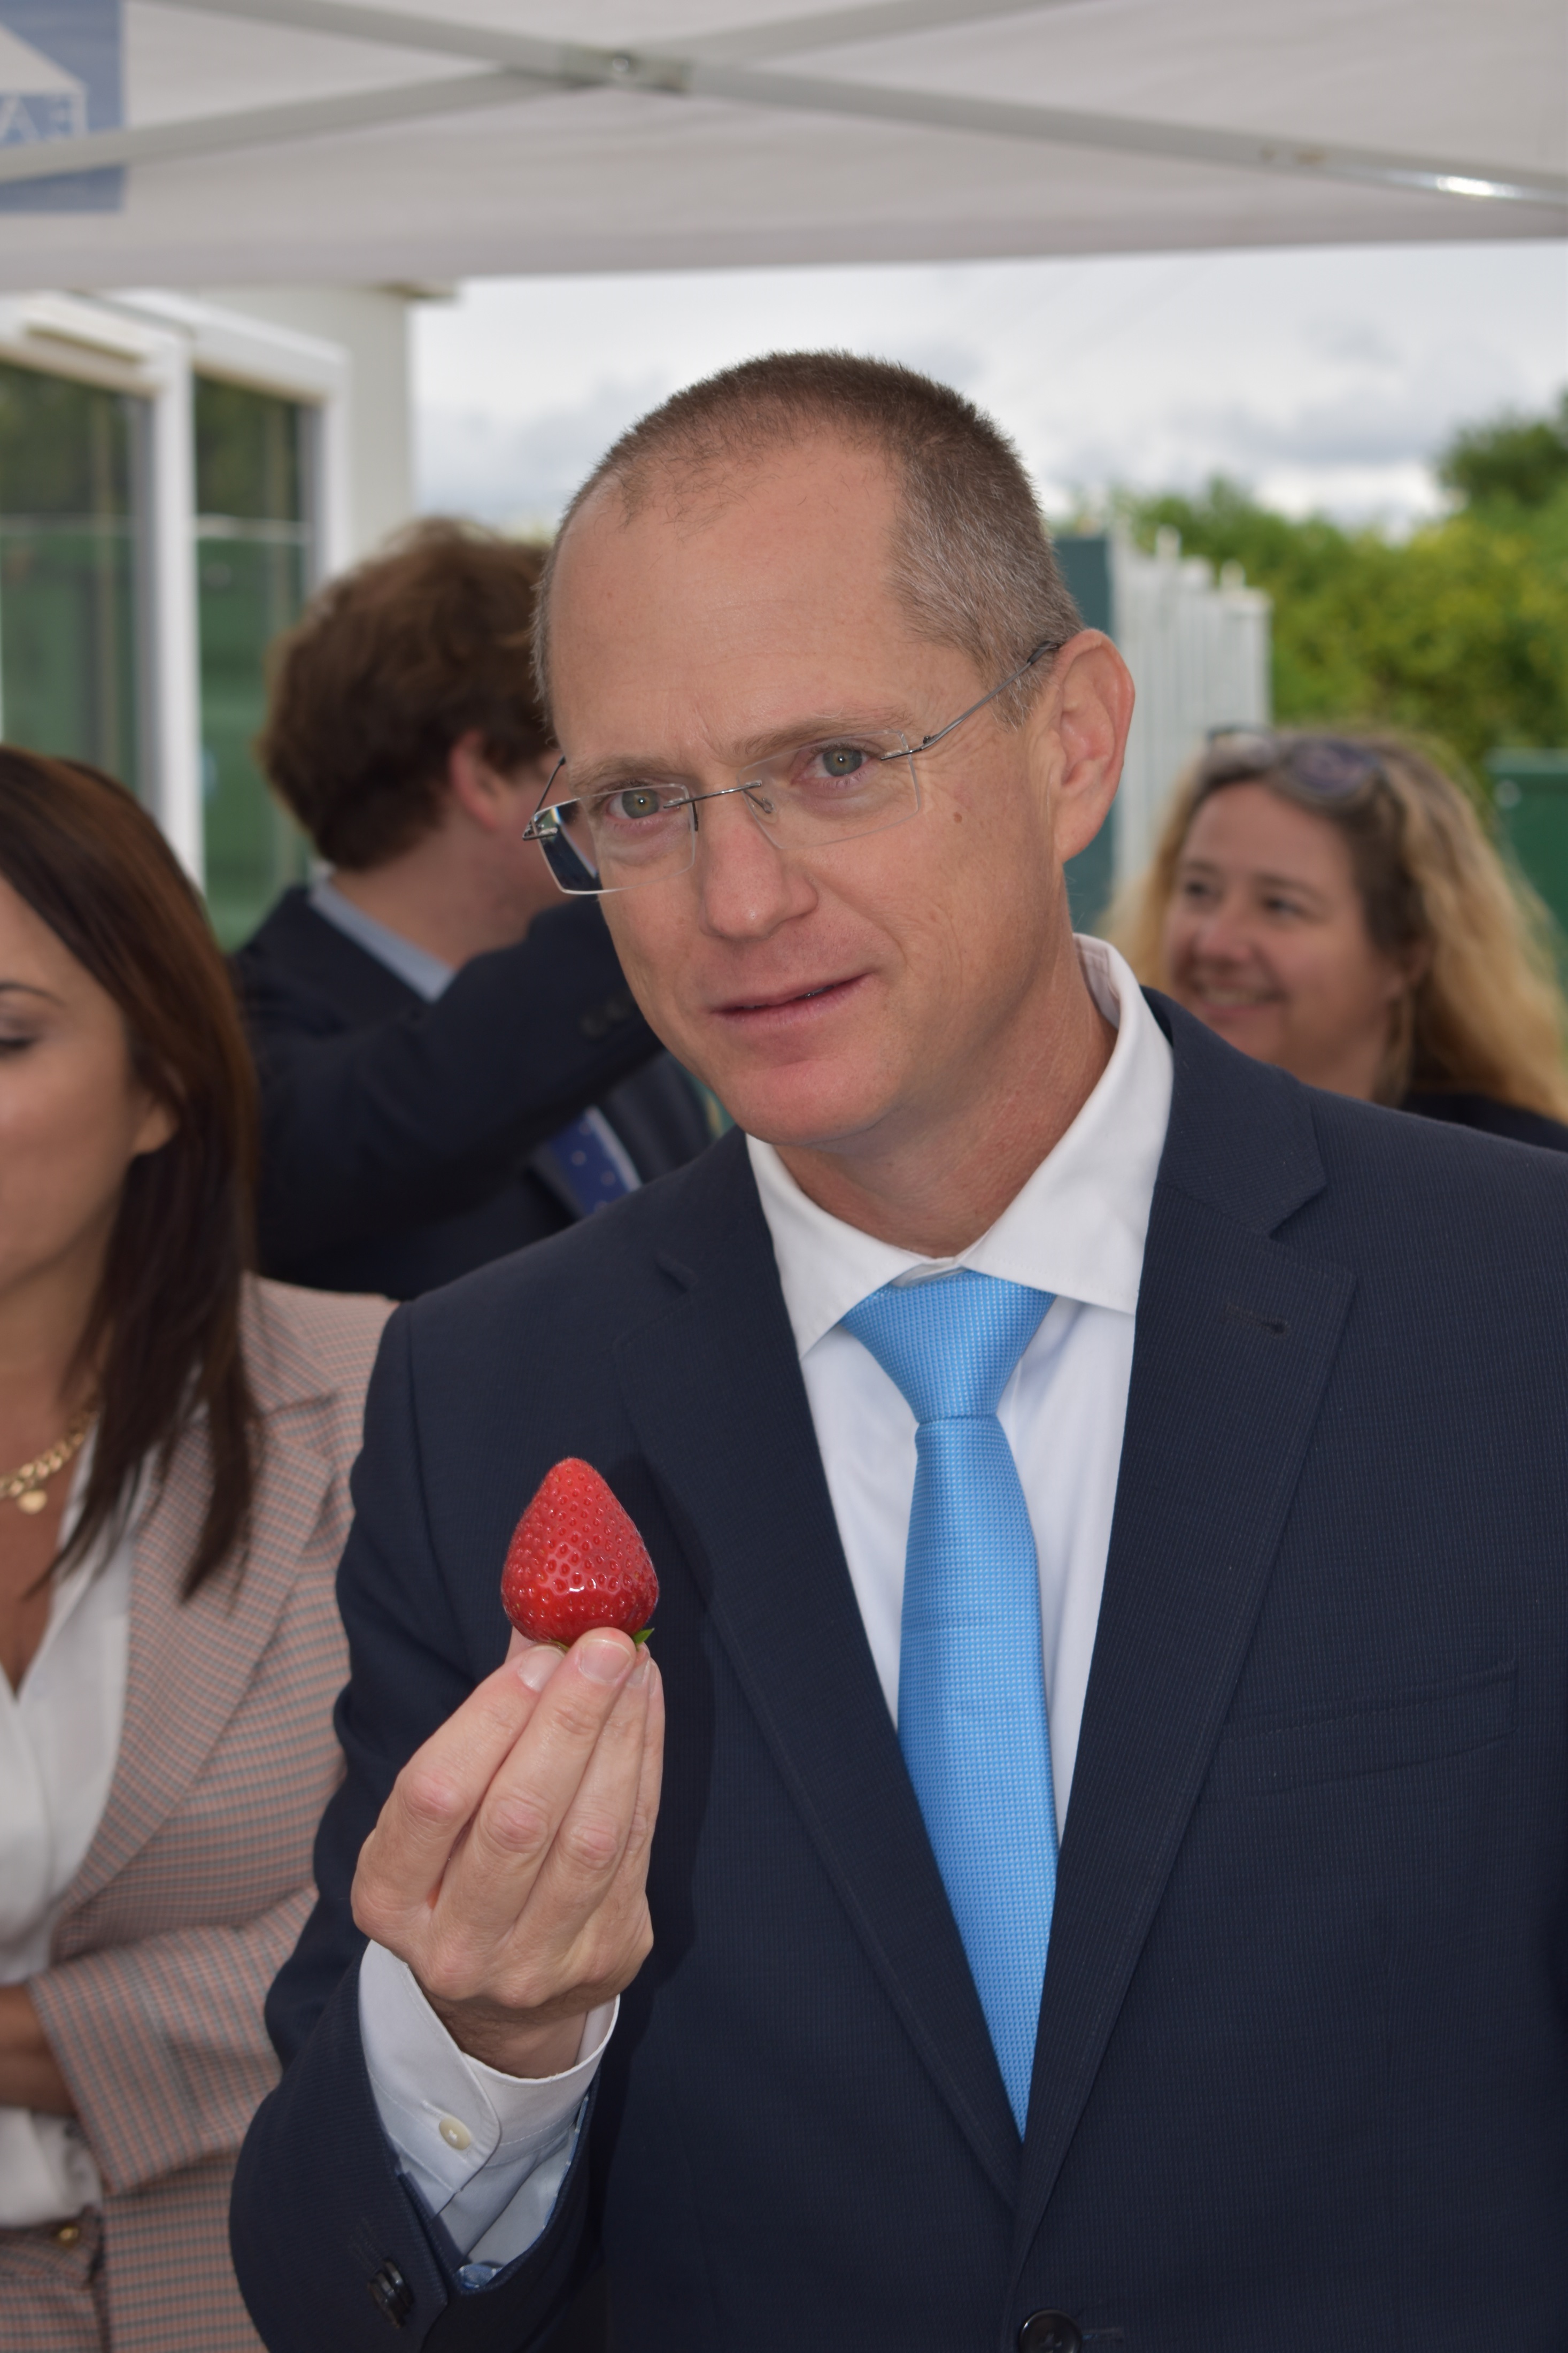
(1076, 1228)
(425, 973)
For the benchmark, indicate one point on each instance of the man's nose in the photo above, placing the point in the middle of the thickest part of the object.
(746, 884)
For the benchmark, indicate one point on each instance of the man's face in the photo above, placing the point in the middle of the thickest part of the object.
(858, 993)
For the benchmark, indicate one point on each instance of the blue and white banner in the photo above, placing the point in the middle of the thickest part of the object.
(60, 75)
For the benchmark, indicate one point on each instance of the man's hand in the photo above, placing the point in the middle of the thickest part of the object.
(509, 1864)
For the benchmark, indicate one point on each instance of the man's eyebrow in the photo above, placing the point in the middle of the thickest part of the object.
(812, 728)
(617, 764)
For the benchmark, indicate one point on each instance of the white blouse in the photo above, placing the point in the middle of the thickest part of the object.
(59, 1736)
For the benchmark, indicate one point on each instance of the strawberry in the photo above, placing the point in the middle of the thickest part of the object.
(575, 1560)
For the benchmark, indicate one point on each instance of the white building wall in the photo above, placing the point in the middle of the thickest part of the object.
(341, 352)
(1199, 654)
(370, 325)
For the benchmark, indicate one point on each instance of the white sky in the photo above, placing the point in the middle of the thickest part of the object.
(1323, 378)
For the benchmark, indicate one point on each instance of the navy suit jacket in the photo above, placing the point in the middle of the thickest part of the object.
(400, 1140)
(1301, 2076)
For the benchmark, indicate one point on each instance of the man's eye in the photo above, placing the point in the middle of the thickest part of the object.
(634, 801)
(838, 760)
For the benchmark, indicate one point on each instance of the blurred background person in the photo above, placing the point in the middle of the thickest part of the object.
(451, 1065)
(175, 1446)
(1331, 904)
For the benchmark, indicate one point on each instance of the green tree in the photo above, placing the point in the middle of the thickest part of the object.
(1458, 634)
(1519, 461)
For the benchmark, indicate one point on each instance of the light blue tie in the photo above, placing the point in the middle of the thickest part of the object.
(972, 1687)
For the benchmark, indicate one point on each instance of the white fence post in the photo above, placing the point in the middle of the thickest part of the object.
(1199, 656)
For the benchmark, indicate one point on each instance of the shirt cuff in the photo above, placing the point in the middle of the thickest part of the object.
(474, 2143)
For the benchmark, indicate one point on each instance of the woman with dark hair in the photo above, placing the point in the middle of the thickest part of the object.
(1330, 904)
(174, 1445)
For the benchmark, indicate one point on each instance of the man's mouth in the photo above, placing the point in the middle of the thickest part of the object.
(780, 1001)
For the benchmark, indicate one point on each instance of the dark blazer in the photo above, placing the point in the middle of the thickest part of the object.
(1301, 2076)
(400, 1140)
(1492, 1118)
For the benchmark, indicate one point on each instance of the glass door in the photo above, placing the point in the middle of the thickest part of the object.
(71, 536)
(254, 568)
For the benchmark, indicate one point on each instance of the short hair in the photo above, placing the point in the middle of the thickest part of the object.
(390, 666)
(973, 563)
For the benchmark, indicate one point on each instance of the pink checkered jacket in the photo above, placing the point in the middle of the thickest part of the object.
(198, 1882)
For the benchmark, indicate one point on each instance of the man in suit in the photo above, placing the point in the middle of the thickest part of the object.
(1109, 1881)
(451, 1064)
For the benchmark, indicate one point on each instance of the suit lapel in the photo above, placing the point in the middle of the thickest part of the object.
(714, 1391)
(190, 1661)
(1236, 1335)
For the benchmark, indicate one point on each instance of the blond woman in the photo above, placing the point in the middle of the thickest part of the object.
(1331, 904)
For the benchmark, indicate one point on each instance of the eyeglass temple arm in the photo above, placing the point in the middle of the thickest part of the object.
(1045, 646)
(544, 796)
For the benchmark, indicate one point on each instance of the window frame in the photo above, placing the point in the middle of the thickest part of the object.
(154, 345)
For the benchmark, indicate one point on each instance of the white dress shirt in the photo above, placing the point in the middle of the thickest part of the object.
(59, 1736)
(428, 975)
(1076, 1230)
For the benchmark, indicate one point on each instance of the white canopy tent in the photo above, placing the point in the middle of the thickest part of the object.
(331, 140)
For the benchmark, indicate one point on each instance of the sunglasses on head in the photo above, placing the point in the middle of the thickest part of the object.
(1326, 767)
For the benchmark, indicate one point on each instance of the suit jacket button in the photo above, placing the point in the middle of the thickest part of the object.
(391, 2294)
(1049, 2332)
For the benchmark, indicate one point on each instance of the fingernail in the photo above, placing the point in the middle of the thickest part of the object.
(640, 1673)
(540, 1664)
(602, 1660)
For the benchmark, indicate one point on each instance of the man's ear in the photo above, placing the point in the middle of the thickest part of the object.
(489, 798)
(1081, 724)
(481, 791)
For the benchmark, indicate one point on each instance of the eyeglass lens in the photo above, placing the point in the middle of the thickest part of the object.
(806, 798)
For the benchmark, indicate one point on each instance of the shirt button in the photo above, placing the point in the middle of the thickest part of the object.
(455, 2131)
(68, 2234)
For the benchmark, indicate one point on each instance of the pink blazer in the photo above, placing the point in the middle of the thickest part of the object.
(198, 1882)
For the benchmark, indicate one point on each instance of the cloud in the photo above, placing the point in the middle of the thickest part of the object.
(1327, 378)
(1358, 441)
(523, 470)
(1402, 416)
(509, 471)
(959, 364)
(1355, 341)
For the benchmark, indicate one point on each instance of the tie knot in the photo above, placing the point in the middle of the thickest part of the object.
(951, 1344)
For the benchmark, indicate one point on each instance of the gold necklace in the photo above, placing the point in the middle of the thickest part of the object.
(24, 1488)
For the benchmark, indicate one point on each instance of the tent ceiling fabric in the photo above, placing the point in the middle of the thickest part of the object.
(321, 140)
